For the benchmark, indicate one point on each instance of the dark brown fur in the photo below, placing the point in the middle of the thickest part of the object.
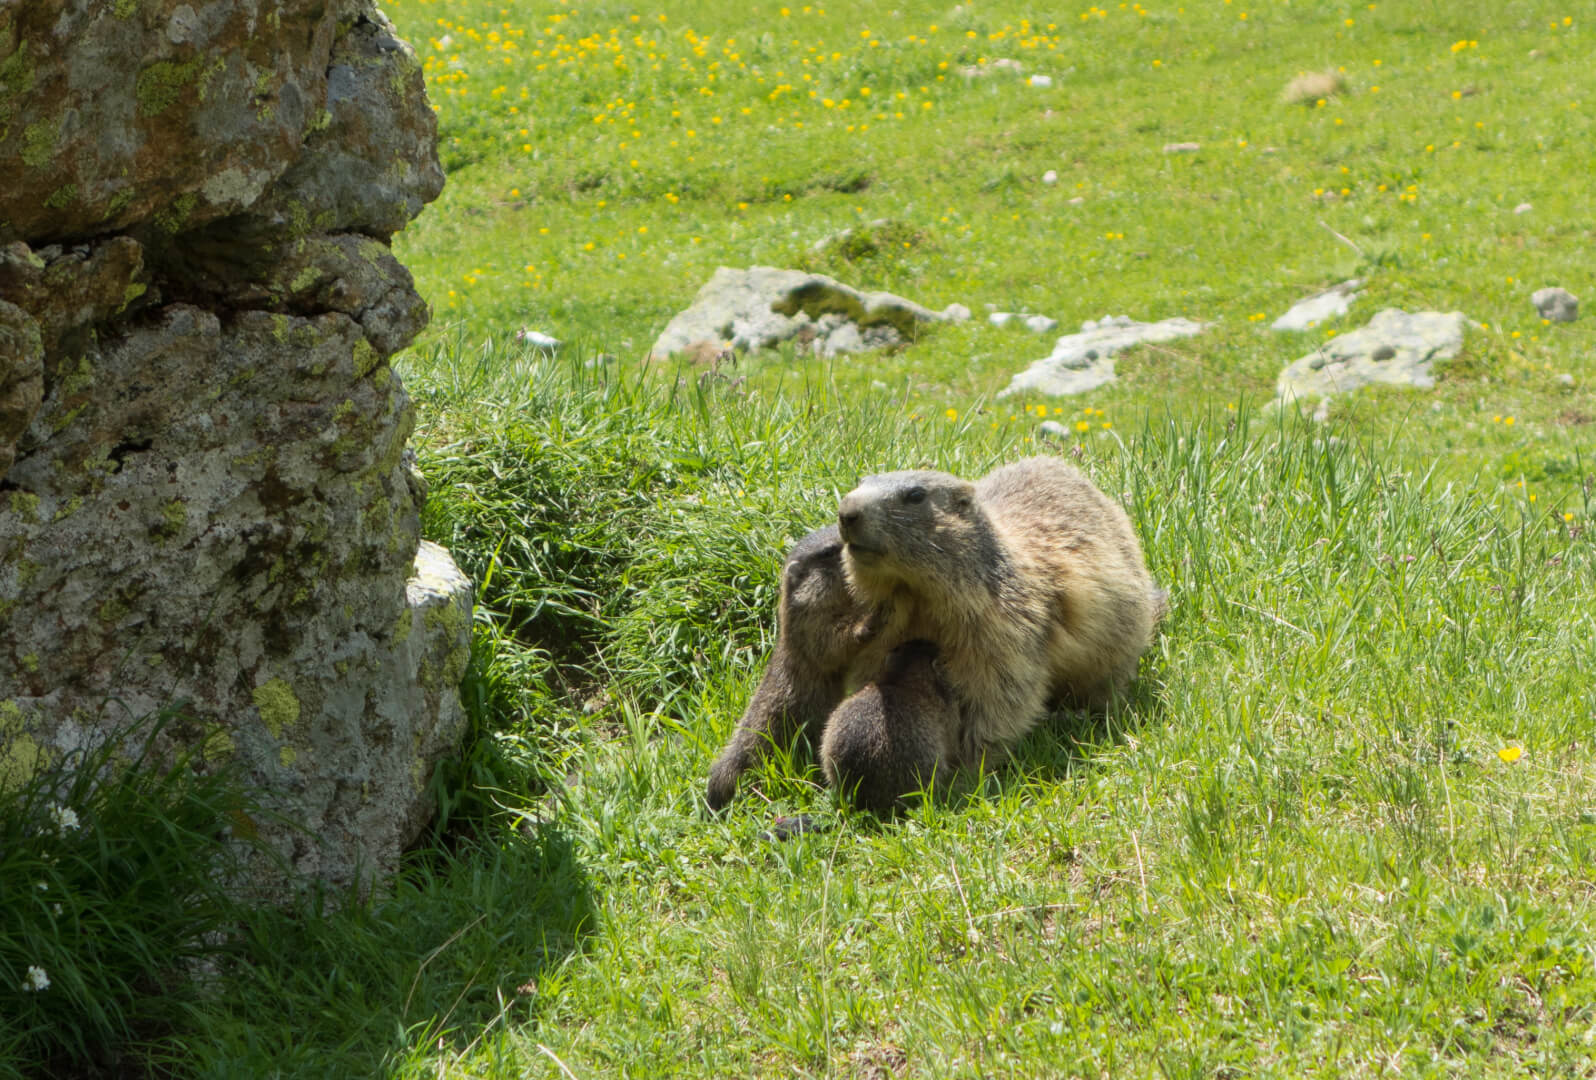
(891, 738)
(821, 629)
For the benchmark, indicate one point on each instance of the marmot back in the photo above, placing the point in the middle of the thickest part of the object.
(893, 736)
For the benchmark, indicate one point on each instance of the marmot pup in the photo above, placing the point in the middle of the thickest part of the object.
(892, 738)
(1031, 582)
(821, 629)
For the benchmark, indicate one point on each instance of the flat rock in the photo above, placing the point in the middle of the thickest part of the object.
(1558, 305)
(762, 306)
(1330, 304)
(1396, 347)
(1085, 361)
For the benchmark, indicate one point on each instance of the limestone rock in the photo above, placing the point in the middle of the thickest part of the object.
(207, 505)
(1330, 304)
(167, 112)
(21, 379)
(1396, 347)
(370, 162)
(1558, 305)
(1085, 361)
(762, 306)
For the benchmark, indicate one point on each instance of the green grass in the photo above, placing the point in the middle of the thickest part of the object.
(1345, 823)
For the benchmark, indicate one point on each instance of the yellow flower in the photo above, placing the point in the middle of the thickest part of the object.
(1083, 425)
(951, 414)
(1510, 754)
(1568, 515)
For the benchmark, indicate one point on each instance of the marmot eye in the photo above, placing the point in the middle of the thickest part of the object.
(914, 495)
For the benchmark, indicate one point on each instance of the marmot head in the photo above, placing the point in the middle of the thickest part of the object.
(915, 528)
(819, 616)
(913, 662)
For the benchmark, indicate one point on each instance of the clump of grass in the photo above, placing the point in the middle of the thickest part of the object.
(116, 870)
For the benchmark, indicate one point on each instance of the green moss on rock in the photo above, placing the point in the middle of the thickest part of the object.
(171, 218)
(25, 504)
(279, 708)
(366, 358)
(160, 84)
(38, 141)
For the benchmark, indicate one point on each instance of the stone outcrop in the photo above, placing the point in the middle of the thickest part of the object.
(1397, 347)
(763, 306)
(1085, 361)
(205, 499)
(1330, 304)
(1556, 304)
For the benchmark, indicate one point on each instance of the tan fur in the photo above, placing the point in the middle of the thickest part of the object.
(894, 736)
(1312, 86)
(1032, 583)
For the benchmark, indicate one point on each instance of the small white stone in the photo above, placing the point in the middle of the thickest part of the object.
(537, 339)
(1052, 429)
(1182, 147)
(956, 313)
(1050, 177)
(1077, 200)
(1040, 80)
(1001, 318)
(1040, 324)
(1566, 381)
(1523, 208)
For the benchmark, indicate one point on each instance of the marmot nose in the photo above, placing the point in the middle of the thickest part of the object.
(848, 516)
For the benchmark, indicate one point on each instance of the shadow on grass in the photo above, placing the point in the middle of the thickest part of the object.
(469, 941)
(1069, 738)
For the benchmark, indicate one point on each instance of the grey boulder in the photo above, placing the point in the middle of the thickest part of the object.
(1396, 347)
(762, 306)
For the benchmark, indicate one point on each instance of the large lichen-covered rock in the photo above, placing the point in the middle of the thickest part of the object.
(1396, 347)
(205, 502)
(762, 306)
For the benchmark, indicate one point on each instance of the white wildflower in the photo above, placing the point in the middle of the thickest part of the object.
(66, 818)
(36, 980)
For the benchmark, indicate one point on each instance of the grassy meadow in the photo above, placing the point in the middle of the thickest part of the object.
(1345, 822)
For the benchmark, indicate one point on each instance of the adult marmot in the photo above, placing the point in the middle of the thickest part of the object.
(1031, 582)
(821, 630)
(893, 737)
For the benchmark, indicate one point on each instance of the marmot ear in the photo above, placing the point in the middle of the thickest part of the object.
(964, 497)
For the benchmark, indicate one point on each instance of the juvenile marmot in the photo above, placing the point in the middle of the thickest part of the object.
(1031, 581)
(893, 737)
(821, 630)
